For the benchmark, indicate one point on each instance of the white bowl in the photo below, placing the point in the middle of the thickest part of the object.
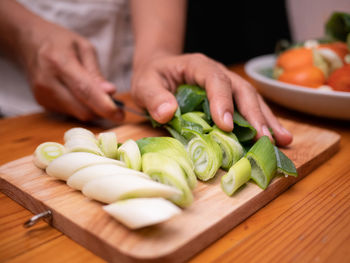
(325, 103)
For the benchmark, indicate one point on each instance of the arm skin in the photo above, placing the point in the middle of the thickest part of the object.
(159, 67)
(61, 66)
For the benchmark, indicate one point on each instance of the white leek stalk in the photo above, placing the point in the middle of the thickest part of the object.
(82, 144)
(85, 175)
(78, 132)
(237, 176)
(129, 153)
(64, 166)
(108, 144)
(166, 170)
(140, 212)
(109, 189)
(47, 152)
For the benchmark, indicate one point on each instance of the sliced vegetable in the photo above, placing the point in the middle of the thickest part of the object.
(129, 153)
(78, 132)
(140, 212)
(198, 118)
(109, 189)
(189, 97)
(81, 177)
(108, 144)
(231, 149)
(206, 156)
(170, 147)
(82, 144)
(166, 170)
(237, 176)
(46, 152)
(263, 161)
(64, 166)
(243, 130)
(284, 164)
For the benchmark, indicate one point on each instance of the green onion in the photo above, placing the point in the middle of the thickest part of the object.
(263, 161)
(237, 176)
(231, 149)
(206, 156)
(166, 170)
(284, 164)
(108, 144)
(46, 152)
(172, 148)
(130, 154)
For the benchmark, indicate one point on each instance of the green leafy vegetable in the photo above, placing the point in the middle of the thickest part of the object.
(284, 164)
(243, 130)
(189, 97)
(338, 26)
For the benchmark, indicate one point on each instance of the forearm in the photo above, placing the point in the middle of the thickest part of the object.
(159, 28)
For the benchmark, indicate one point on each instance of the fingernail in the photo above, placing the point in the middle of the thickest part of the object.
(108, 87)
(228, 120)
(266, 131)
(163, 109)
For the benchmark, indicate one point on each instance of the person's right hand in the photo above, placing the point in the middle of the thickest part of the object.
(63, 71)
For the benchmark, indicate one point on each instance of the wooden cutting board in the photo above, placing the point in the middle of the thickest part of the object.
(211, 215)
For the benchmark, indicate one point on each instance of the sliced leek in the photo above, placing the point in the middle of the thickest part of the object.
(206, 156)
(86, 174)
(284, 164)
(64, 166)
(263, 161)
(129, 153)
(198, 118)
(172, 148)
(78, 132)
(243, 130)
(237, 176)
(231, 149)
(141, 212)
(109, 189)
(108, 144)
(46, 153)
(166, 170)
(82, 144)
(189, 97)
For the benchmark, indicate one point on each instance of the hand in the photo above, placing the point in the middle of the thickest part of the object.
(154, 83)
(64, 74)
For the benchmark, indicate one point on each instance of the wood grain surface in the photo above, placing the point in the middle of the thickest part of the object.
(209, 217)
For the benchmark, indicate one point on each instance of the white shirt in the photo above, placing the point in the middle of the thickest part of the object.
(106, 23)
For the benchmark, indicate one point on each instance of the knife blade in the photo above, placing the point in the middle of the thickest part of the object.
(122, 105)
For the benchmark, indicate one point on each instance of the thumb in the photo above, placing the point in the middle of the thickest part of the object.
(151, 94)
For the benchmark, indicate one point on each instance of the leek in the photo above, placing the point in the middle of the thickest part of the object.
(46, 153)
(189, 97)
(129, 153)
(84, 175)
(172, 148)
(231, 149)
(237, 176)
(205, 154)
(166, 170)
(243, 130)
(109, 189)
(198, 118)
(140, 212)
(263, 161)
(82, 144)
(108, 144)
(284, 164)
(78, 132)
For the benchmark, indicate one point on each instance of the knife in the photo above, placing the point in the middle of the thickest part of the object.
(122, 105)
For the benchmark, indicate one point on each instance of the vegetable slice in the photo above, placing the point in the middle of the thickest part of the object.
(237, 176)
(189, 97)
(198, 118)
(167, 171)
(109, 189)
(243, 130)
(64, 166)
(129, 153)
(47, 152)
(284, 164)
(86, 174)
(78, 132)
(263, 161)
(83, 144)
(108, 144)
(140, 212)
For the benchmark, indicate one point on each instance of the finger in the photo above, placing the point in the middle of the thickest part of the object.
(88, 91)
(207, 74)
(248, 105)
(150, 92)
(54, 96)
(283, 137)
(88, 57)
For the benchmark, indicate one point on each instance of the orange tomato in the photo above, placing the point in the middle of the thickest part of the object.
(340, 48)
(340, 79)
(295, 58)
(309, 76)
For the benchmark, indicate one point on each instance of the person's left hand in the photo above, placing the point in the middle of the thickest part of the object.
(155, 81)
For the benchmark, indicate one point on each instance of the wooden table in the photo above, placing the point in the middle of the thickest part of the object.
(308, 223)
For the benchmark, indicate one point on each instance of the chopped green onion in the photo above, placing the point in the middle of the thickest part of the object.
(108, 144)
(237, 176)
(130, 154)
(46, 153)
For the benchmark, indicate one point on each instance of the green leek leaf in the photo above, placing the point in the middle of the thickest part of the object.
(189, 97)
(284, 164)
(243, 130)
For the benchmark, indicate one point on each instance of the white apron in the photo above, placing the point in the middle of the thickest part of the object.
(106, 23)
